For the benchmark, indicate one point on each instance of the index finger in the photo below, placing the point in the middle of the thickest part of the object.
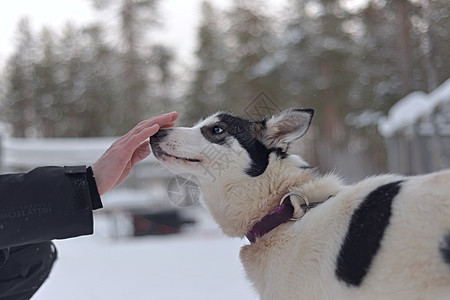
(149, 127)
(160, 120)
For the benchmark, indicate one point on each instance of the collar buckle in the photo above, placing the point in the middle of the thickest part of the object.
(305, 206)
(279, 215)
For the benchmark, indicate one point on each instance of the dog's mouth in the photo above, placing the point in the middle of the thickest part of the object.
(180, 158)
(161, 153)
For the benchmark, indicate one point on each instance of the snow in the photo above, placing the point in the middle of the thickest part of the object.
(268, 63)
(406, 111)
(410, 109)
(200, 263)
(441, 94)
(366, 118)
(126, 198)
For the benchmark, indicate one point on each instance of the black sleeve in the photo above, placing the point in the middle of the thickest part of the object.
(47, 203)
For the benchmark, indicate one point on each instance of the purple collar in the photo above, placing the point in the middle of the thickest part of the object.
(279, 215)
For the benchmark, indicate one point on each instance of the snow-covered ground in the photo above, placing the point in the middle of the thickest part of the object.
(200, 263)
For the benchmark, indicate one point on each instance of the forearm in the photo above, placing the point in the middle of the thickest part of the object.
(46, 203)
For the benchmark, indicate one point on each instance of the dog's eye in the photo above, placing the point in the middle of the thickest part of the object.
(217, 130)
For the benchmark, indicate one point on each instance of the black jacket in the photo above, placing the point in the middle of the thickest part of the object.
(44, 204)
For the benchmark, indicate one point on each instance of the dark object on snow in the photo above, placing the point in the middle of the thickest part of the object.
(159, 223)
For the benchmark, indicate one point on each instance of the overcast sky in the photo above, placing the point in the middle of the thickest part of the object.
(50, 12)
(179, 18)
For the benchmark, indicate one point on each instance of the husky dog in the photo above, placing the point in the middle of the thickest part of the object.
(311, 236)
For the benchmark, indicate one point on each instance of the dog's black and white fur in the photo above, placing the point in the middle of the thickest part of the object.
(386, 237)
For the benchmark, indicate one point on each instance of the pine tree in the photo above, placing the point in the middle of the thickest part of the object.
(136, 17)
(251, 46)
(101, 72)
(162, 86)
(20, 71)
(205, 95)
(45, 86)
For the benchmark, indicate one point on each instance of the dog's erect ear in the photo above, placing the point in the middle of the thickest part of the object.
(286, 127)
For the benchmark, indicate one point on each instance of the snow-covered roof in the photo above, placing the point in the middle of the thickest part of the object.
(410, 109)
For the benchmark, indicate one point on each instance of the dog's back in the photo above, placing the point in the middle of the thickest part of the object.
(387, 237)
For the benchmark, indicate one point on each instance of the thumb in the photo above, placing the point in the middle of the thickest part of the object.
(140, 153)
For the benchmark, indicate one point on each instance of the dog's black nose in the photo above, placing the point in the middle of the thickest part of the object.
(156, 139)
(159, 136)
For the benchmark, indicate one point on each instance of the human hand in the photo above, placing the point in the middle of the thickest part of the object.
(114, 166)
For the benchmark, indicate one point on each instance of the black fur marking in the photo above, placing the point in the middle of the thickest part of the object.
(244, 132)
(280, 153)
(445, 249)
(260, 158)
(364, 234)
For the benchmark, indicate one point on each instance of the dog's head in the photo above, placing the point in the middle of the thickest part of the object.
(224, 151)
(224, 146)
